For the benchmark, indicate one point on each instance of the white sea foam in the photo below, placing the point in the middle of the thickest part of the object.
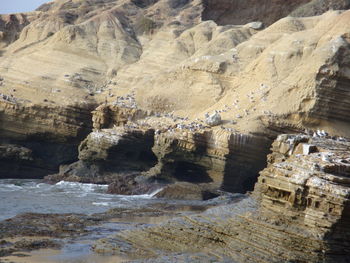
(10, 187)
(144, 196)
(155, 192)
(102, 203)
(105, 198)
(80, 186)
(19, 196)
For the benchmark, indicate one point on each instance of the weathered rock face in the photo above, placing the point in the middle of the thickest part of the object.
(165, 151)
(225, 12)
(50, 134)
(106, 155)
(109, 116)
(260, 80)
(11, 26)
(317, 7)
(230, 160)
(239, 11)
(119, 148)
(299, 212)
(333, 81)
(307, 186)
(20, 162)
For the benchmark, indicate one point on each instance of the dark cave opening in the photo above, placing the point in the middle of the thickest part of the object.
(190, 172)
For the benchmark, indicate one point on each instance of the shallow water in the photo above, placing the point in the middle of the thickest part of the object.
(33, 196)
(27, 196)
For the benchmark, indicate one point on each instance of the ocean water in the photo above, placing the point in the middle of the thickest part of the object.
(34, 196)
(19, 196)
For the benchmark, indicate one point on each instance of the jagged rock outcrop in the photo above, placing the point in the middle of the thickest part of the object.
(230, 160)
(299, 212)
(307, 186)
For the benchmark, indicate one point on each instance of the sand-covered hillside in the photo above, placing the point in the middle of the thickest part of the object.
(266, 68)
(76, 52)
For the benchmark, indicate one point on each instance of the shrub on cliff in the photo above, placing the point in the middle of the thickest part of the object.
(145, 25)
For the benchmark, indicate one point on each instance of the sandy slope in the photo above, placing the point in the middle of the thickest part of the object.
(277, 78)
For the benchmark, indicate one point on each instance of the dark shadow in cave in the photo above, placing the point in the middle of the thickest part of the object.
(132, 154)
(190, 172)
(246, 158)
(338, 236)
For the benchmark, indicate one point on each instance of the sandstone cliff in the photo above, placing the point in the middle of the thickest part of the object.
(298, 212)
(51, 135)
(289, 76)
(165, 148)
(157, 69)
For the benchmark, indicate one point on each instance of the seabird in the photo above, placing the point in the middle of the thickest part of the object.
(319, 133)
(325, 134)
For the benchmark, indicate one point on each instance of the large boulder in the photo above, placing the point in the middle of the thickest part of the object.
(214, 119)
(129, 185)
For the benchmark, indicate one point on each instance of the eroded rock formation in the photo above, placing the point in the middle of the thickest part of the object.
(106, 155)
(166, 53)
(156, 68)
(164, 150)
(44, 137)
(298, 212)
(226, 12)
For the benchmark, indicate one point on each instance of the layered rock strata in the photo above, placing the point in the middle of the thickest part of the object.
(231, 160)
(285, 77)
(164, 149)
(44, 137)
(298, 212)
(106, 155)
(226, 12)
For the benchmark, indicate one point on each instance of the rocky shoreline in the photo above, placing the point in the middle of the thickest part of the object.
(32, 231)
(184, 98)
(152, 148)
(298, 212)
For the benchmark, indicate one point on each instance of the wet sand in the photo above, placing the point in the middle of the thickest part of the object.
(79, 250)
(56, 256)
